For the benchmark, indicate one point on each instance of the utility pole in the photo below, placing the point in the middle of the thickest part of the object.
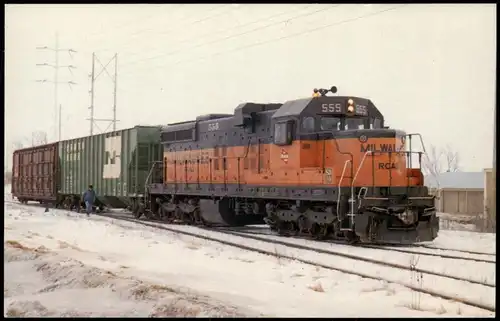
(92, 96)
(56, 82)
(493, 203)
(60, 121)
(93, 78)
(114, 93)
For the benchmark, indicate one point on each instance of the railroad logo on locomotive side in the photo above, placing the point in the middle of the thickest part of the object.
(284, 156)
(379, 148)
(328, 175)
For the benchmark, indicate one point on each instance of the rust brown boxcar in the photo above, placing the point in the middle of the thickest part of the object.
(35, 173)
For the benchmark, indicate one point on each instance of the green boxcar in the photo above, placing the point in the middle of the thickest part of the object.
(117, 164)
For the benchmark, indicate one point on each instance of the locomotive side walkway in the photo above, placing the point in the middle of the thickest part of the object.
(190, 276)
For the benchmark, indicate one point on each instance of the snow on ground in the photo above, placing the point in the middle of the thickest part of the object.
(7, 196)
(58, 264)
(463, 240)
(458, 222)
(482, 272)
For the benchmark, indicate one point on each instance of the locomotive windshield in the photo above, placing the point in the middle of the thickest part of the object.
(330, 123)
(344, 123)
(354, 123)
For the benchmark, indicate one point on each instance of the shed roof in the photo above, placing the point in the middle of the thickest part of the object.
(456, 180)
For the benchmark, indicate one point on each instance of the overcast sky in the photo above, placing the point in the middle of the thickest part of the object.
(429, 68)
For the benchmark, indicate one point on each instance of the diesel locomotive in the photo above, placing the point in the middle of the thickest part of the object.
(324, 166)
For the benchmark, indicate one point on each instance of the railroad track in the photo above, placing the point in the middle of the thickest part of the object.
(262, 246)
(400, 248)
(487, 257)
(367, 259)
(455, 250)
(270, 252)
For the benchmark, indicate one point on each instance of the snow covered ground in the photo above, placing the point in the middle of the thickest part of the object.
(57, 264)
(457, 222)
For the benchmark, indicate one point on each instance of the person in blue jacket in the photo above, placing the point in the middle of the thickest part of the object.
(89, 199)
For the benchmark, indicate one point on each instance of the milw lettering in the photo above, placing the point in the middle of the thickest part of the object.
(378, 148)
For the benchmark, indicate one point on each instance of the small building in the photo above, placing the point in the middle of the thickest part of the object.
(460, 193)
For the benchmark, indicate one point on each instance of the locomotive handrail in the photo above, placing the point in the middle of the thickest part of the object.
(340, 183)
(235, 157)
(343, 153)
(359, 168)
(421, 140)
(434, 195)
(351, 202)
(149, 176)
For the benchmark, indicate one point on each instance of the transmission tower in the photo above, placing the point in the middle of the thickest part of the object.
(93, 78)
(56, 82)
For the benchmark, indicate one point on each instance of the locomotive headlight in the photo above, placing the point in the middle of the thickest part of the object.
(350, 106)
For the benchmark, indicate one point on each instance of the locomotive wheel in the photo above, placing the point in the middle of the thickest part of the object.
(187, 218)
(283, 228)
(318, 232)
(302, 223)
(351, 237)
(162, 213)
(227, 213)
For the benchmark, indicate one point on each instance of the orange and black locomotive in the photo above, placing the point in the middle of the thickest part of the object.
(324, 166)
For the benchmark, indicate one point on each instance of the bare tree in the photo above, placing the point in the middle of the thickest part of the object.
(7, 177)
(18, 144)
(39, 138)
(452, 159)
(438, 161)
(431, 163)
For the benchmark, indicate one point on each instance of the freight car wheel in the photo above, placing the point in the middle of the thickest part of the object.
(136, 209)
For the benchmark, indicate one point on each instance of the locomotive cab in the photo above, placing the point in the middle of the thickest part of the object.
(341, 142)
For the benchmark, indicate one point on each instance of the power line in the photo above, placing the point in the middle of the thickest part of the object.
(56, 81)
(130, 22)
(135, 34)
(226, 29)
(234, 35)
(280, 38)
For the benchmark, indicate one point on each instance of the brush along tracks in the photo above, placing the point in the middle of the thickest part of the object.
(466, 291)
